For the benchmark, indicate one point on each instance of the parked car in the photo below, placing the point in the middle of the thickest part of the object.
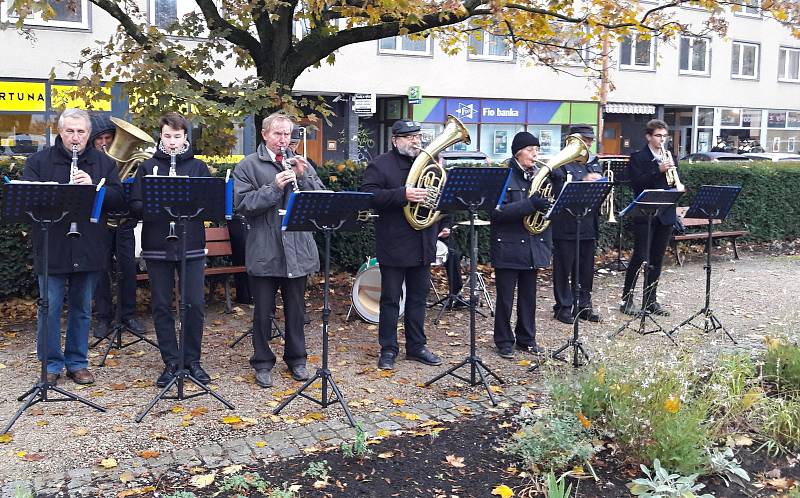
(23, 144)
(773, 156)
(699, 157)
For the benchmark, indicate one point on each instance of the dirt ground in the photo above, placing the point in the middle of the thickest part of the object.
(753, 297)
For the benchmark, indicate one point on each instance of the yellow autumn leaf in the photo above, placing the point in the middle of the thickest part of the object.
(386, 454)
(232, 469)
(177, 409)
(405, 415)
(260, 444)
(21, 454)
(136, 491)
(398, 402)
(6, 438)
(108, 463)
(81, 431)
(231, 419)
(503, 491)
(382, 433)
(203, 480)
(126, 477)
(147, 454)
(672, 404)
(524, 363)
(585, 422)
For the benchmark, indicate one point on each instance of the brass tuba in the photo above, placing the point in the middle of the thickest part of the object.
(574, 150)
(428, 174)
(124, 149)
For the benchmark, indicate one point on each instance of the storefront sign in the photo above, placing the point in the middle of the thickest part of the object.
(414, 95)
(776, 119)
(61, 96)
(22, 96)
(467, 110)
(364, 104)
(502, 111)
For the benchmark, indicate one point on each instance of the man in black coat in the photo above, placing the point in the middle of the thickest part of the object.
(567, 306)
(646, 170)
(403, 253)
(73, 264)
(516, 253)
(122, 248)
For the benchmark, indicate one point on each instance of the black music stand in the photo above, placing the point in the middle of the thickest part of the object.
(579, 200)
(649, 203)
(44, 205)
(473, 189)
(618, 167)
(326, 212)
(118, 328)
(182, 199)
(711, 202)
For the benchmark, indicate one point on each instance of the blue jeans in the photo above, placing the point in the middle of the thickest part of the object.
(79, 317)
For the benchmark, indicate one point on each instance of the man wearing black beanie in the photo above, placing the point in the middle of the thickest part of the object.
(516, 253)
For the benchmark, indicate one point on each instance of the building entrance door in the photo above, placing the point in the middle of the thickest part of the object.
(612, 133)
(685, 142)
(312, 141)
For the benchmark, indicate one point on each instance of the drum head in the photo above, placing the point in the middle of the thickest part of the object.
(366, 293)
(441, 253)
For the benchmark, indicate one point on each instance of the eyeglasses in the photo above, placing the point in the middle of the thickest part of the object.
(661, 135)
(410, 137)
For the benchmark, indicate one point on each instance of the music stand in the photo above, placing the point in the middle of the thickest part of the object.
(473, 189)
(182, 199)
(118, 328)
(649, 203)
(46, 204)
(579, 200)
(711, 202)
(327, 212)
(618, 168)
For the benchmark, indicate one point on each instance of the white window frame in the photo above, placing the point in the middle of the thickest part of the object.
(750, 4)
(785, 69)
(151, 14)
(415, 53)
(694, 72)
(757, 68)
(36, 19)
(581, 53)
(634, 41)
(484, 57)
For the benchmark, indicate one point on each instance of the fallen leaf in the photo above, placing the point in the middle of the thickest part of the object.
(108, 463)
(405, 415)
(398, 402)
(81, 431)
(6, 438)
(33, 457)
(232, 469)
(231, 419)
(260, 444)
(742, 440)
(386, 454)
(503, 491)
(136, 491)
(118, 386)
(455, 461)
(146, 454)
(126, 477)
(203, 480)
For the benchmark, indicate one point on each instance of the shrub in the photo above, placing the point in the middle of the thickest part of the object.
(782, 366)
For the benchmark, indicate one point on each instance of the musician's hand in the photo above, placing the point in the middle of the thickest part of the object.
(414, 194)
(444, 233)
(663, 167)
(539, 203)
(82, 178)
(591, 177)
(284, 178)
(299, 164)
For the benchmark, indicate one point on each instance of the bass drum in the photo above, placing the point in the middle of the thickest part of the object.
(366, 293)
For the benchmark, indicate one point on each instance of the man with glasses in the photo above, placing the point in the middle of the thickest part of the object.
(403, 253)
(647, 170)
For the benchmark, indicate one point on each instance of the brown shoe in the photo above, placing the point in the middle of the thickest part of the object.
(52, 379)
(81, 376)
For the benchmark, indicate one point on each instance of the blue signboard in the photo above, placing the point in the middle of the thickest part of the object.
(503, 111)
(467, 110)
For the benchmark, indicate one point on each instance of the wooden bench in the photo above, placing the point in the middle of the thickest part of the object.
(218, 244)
(693, 223)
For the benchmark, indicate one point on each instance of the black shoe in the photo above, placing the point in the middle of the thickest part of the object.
(299, 372)
(564, 316)
(530, 349)
(506, 352)
(424, 356)
(628, 307)
(264, 377)
(657, 309)
(52, 379)
(166, 375)
(196, 371)
(134, 325)
(386, 361)
(101, 329)
(589, 314)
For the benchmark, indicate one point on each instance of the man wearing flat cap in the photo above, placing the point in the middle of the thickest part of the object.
(516, 253)
(567, 306)
(403, 253)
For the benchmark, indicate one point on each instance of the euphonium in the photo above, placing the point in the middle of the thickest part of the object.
(428, 174)
(73, 232)
(123, 150)
(574, 150)
(672, 173)
(607, 208)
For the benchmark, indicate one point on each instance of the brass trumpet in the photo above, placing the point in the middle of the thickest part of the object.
(673, 180)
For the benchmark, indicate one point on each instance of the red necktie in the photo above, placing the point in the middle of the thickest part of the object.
(279, 159)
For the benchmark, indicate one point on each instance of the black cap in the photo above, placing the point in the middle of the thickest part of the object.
(101, 123)
(295, 133)
(521, 140)
(583, 130)
(404, 127)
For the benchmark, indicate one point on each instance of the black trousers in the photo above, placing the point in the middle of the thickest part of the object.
(237, 229)
(658, 245)
(418, 284)
(293, 292)
(453, 268)
(564, 273)
(123, 246)
(525, 329)
(162, 283)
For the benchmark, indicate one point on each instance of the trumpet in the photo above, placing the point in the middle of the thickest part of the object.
(172, 172)
(672, 173)
(607, 208)
(73, 232)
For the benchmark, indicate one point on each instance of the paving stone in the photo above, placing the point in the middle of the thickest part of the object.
(306, 442)
(336, 424)
(289, 452)
(241, 458)
(216, 461)
(389, 425)
(48, 492)
(443, 403)
(265, 452)
(209, 450)
(10, 489)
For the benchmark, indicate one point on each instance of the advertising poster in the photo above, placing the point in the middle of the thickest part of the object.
(500, 142)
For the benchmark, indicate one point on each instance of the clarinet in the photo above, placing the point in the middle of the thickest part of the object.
(73, 232)
(172, 172)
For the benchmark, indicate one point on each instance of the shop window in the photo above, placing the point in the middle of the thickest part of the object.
(405, 45)
(744, 60)
(65, 14)
(789, 64)
(496, 140)
(695, 56)
(22, 133)
(549, 138)
(487, 46)
(705, 116)
(637, 53)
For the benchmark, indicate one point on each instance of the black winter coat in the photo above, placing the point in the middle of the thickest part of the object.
(563, 225)
(512, 246)
(89, 252)
(644, 175)
(396, 242)
(154, 242)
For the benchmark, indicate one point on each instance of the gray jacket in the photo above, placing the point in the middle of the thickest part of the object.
(269, 251)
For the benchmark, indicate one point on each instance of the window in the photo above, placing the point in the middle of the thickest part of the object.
(744, 60)
(637, 53)
(567, 46)
(695, 55)
(789, 64)
(749, 8)
(405, 45)
(164, 13)
(65, 14)
(22, 133)
(486, 46)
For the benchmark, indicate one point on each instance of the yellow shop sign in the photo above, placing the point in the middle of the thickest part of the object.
(62, 96)
(22, 96)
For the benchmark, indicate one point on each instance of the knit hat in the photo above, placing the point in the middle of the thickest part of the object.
(521, 140)
(101, 123)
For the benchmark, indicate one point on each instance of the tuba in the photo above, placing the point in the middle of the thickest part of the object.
(127, 139)
(428, 174)
(574, 150)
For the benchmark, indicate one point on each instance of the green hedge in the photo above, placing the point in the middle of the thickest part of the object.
(16, 251)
